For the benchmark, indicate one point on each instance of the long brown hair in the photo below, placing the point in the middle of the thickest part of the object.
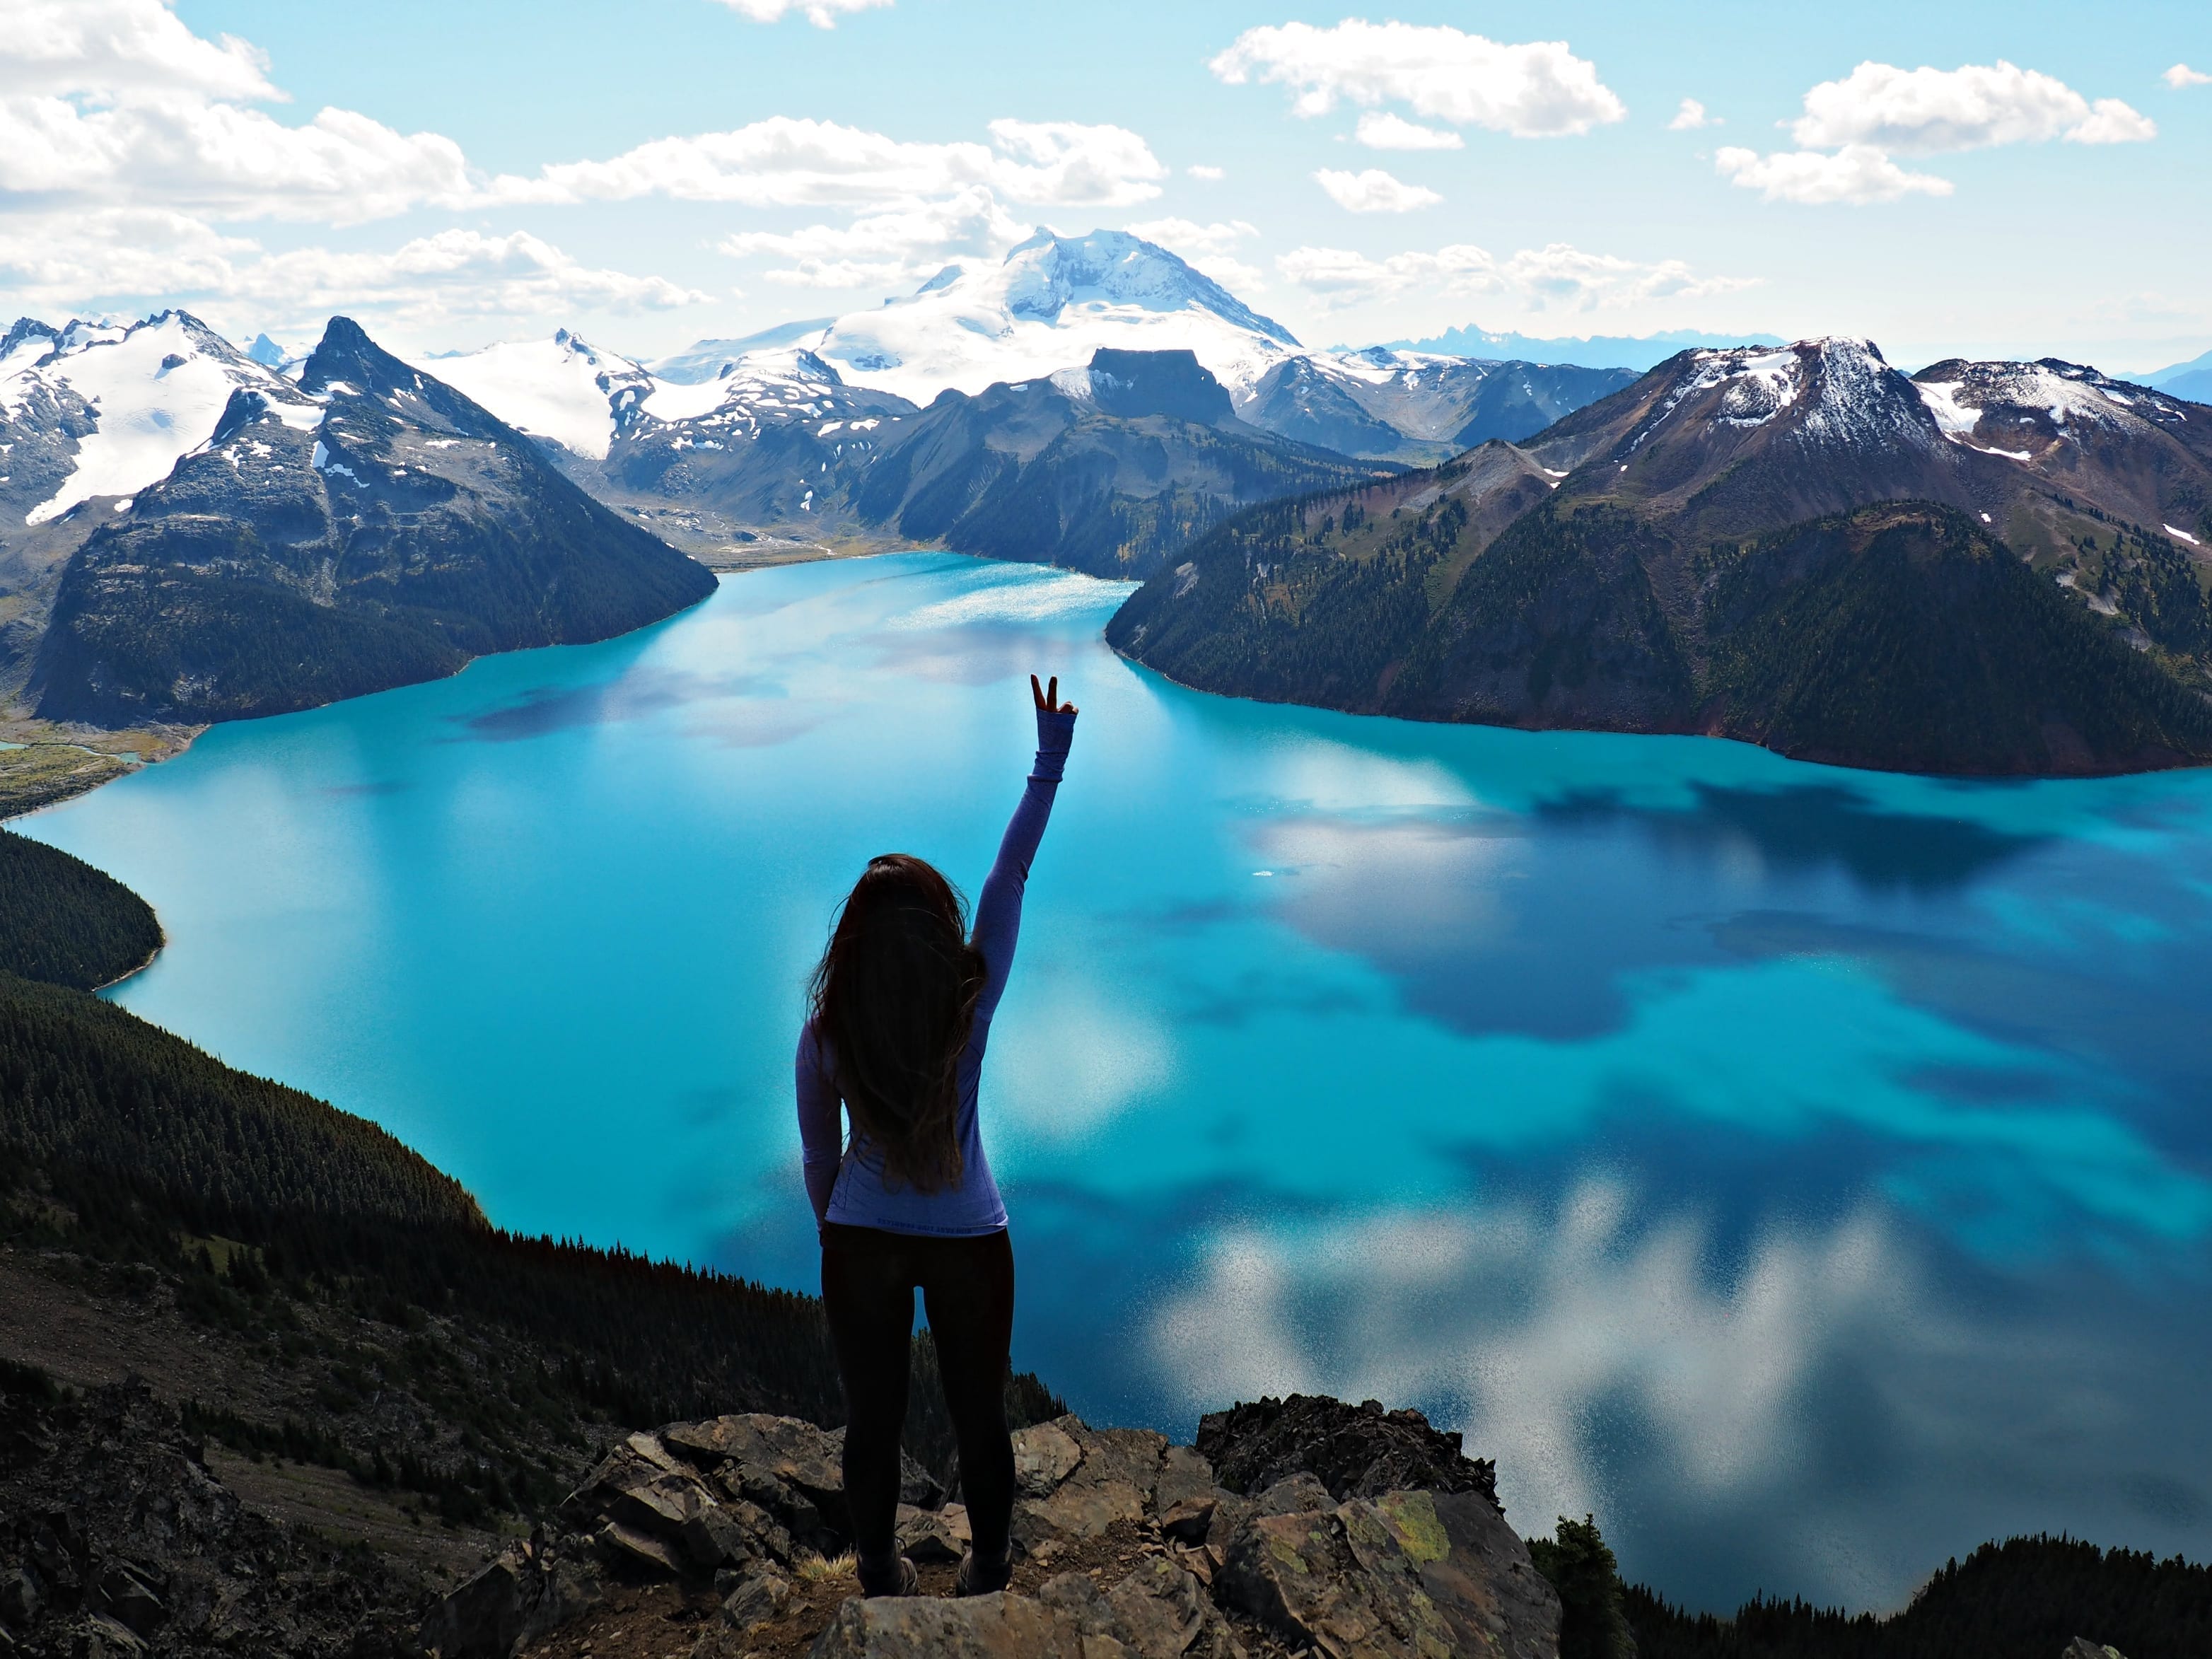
(894, 996)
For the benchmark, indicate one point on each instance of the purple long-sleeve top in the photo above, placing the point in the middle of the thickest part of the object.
(846, 1182)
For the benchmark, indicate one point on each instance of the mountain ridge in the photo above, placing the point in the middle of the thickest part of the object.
(1803, 548)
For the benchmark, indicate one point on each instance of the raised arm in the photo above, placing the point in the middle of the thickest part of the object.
(999, 908)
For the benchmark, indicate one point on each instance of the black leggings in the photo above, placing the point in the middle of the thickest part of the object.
(967, 1284)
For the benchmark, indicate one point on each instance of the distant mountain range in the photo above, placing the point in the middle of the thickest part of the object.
(1989, 567)
(2191, 379)
(1634, 352)
(193, 533)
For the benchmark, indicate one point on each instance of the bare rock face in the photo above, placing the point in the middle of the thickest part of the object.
(1410, 1575)
(1355, 1451)
(1175, 1566)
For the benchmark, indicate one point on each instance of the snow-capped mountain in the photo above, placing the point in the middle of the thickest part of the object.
(99, 411)
(562, 390)
(2136, 453)
(1048, 305)
(370, 527)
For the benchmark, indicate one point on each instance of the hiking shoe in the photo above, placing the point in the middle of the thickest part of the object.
(898, 1579)
(980, 1578)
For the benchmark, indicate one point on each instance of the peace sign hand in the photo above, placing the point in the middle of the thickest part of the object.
(1048, 698)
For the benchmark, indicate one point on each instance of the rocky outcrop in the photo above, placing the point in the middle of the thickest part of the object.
(1355, 1451)
(1127, 1545)
(116, 1539)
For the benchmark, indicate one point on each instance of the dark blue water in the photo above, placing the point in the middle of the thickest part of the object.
(1807, 1171)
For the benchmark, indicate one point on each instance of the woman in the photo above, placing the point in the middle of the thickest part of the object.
(900, 1010)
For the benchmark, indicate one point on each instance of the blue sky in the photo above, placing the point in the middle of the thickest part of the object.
(1998, 180)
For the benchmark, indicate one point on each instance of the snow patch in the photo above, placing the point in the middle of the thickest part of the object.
(155, 391)
(561, 389)
(2181, 534)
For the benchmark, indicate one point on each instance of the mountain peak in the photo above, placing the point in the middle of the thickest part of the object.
(1051, 302)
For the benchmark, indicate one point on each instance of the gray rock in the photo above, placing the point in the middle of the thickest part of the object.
(101, 1638)
(1160, 1610)
(124, 1596)
(1295, 1495)
(1044, 1455)
(1188, 1522)
(2082, 1648)
(1183, 1475)
(926, 1536)
(19, 1599)
(627, 1549)
(1001, 1626)
(524, 1593)
(757, 1597)
(1407, 1576)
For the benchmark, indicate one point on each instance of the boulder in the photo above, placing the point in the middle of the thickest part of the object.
(1075, 1481)
(756, 1596)
(1001, 1626)
(99, 1637)
(933, 1536)
(628, 1550)
(526, 1592)
(1356, 1451)
(2082, 1648)
(1184, 1475)
(1409, 1575)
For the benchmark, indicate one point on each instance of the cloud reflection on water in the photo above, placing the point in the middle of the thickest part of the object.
(1757, 1415)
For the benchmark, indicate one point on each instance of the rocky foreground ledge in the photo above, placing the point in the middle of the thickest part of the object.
(1305, 1525)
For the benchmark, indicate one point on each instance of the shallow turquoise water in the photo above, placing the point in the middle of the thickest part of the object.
(1809, 1172)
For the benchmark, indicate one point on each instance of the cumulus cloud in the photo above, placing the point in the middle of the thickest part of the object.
(1858, 173)
(1374, 191)
(784, 162)
(1208, 248)
(885, 249)
(1539, 89)
(1929, 111)
(111, 49)
(822, 14)
(117, 103)
(1557, 277)
(1851, 127)
(1199, 170)
(1384, 130)
(2182, 75)
(66, 260)
(1691, 116)
(1538, 1319)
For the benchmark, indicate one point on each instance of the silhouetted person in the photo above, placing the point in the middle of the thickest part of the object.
(899, 1013)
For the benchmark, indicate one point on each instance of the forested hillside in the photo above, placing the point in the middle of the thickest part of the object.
(1789, 547)
(63, 921)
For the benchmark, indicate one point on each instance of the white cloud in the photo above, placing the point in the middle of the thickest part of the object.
(784, 162)
(1384, 130)
(1374, 191)
(1209, 247)
(883, 249)
(2182, 75)
(67, 261)
(1858, 173)
(1691, 116)
(822, 14)
(1538, 1322)
(1539, 89)
(116, 103)
(1929, 111)
(1199, 170)
(1556, 277)
(111, 49)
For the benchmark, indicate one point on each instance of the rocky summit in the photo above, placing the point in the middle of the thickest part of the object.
(1125, 1545)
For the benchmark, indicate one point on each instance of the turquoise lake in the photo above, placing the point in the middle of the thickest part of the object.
(1809, 1172)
